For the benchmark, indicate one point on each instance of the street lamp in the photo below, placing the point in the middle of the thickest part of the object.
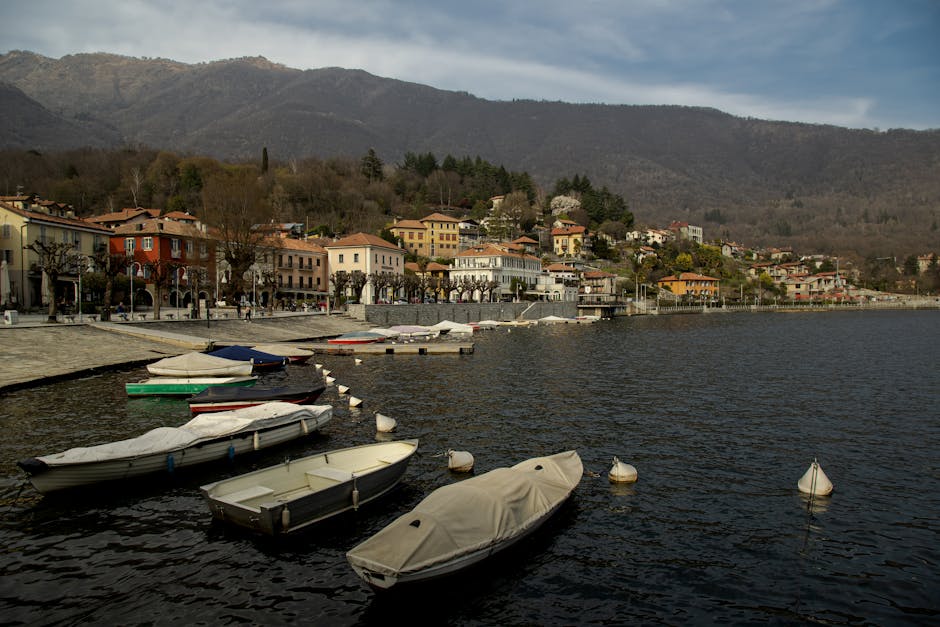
(81, 271)
(176, 276)
(130, 273)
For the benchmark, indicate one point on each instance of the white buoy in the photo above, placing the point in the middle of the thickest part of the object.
(285, 518)
(319, 366)
(326, 372)
(354, 402)
(358, 361)
(459, 461)
(814, 481)
(384, 424)
(342, 389)
(621, 472)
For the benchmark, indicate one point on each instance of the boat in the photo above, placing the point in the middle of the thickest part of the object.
(414, 332)
(195, 364)
(294, 354)
(183, 386)
(465, 522)
(205, 438)
(227, 398)
(357, 337)
(260, 360)
(300, 492)
(453, 328)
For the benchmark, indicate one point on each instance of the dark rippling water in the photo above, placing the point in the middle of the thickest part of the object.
(720, 414)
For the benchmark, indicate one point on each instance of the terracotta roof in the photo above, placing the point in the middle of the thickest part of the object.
(124, 215)
(182, 216)
(159, 226)
(439, 217)
(569, 230)
(39, 216)
(363, 239)
(598, 274)
(559, 267)
(490, 250)
(289, 243)
(688, 276)
(524, 240)
(408, 224)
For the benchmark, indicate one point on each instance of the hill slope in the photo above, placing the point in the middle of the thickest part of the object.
(752, 180)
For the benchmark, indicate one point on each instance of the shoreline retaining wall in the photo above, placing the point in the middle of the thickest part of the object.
(432, 313)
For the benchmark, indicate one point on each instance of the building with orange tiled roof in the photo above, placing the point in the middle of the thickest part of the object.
(367, 254)
(692, 284)
(515, 272)
(301, 268)
(185, 244)
(436, 235)
(124, 216)
(569, 241)
(25, 219)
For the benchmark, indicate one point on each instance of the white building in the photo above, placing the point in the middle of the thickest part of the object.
(492, 262)
(367, 254)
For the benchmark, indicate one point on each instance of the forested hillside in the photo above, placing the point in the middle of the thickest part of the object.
(815, 188)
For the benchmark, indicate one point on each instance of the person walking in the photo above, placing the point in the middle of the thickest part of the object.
(248, 312)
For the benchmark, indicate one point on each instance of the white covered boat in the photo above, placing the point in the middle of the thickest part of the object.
(300, 492)
(196, 364)
(463, 523)
(453, 328)
(205, 438)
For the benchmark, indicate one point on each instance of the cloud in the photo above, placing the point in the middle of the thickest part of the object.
(794, 60)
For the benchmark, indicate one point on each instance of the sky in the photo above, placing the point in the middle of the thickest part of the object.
(852, 63)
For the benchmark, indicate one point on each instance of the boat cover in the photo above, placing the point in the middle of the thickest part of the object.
(243, 353)
(199, 365)
(445, 326)
(471, 515)
(202, 427)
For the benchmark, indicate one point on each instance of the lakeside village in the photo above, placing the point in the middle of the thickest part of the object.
(136, 261)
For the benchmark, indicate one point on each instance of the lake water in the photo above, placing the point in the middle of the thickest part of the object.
(720, 414)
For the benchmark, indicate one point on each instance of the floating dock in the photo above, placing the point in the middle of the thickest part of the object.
(385, 348)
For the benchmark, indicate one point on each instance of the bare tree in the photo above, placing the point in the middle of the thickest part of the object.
(233, 203)
(396, 283)
(110, 265)
(380, 281)
(340, 281)
(357, 282)
(162, 274)
(54, 259)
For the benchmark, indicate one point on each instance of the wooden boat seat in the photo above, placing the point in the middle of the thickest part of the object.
(245, 495)
(333, 474)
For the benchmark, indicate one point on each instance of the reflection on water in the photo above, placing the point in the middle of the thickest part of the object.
(719, 414)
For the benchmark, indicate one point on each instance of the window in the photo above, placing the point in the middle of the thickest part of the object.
(175, 248)
(341, 258)
(7, 232)
(129, 246)
(290, 280)
(355, 257)
(189, 247)
(147, 243)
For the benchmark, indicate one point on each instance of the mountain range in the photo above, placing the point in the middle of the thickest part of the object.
(815, 187)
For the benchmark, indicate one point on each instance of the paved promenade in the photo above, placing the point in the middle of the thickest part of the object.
(35, 352)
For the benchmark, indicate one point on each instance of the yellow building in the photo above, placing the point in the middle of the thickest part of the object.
(569, 241)
(26, 219)
(695, 285)
(433, 236)
(413, 236)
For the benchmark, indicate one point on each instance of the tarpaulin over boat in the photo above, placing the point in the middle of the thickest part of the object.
(243, 353)
(203, 427)
(471, 515)
(200, 365)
